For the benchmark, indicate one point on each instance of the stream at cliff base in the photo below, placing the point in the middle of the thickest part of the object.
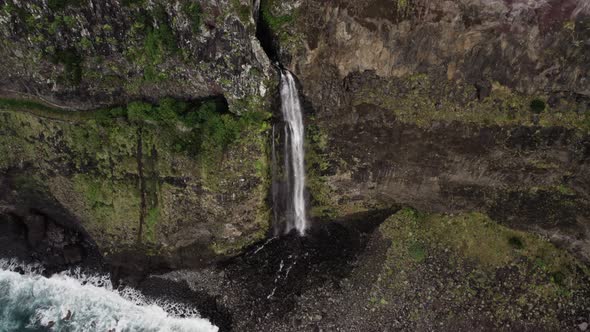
(73, 301)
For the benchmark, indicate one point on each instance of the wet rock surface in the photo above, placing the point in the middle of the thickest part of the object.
(263, 289)
(38, 230)
(415, 272)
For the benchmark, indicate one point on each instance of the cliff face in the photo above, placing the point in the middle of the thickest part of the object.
(446, 106)
(143, 123)
(91, 53)
(133, 184)
(533, 47)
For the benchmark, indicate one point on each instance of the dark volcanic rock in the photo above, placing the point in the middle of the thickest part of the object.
(263, 288)
(414, 272)
(36, 228)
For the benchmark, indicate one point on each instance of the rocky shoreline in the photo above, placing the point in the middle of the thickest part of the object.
(410, 271)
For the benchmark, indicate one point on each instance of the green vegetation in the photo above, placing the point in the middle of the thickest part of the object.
(316, 165)
(537, 106)
(481, 263)
(420, 100)
(474, 237)
(129, 3)
(139, 111)
(158, 40)
(199, 147)
(150, 223)
(275, 23)
(516, 242)
(194, 12)
(44, 110)
(403, 6)
(564, 190)
(111, 207)
(159, 43)
(281, 25)
(244, 11)
(417, 252)
(212, 127)
(21, 104)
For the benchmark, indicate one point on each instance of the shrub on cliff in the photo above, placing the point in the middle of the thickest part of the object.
(139, 111)
(537, 106)
(71, 61)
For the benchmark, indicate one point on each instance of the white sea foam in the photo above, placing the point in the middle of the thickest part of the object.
(31, 301)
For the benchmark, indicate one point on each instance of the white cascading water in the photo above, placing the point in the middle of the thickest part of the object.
(78, 302)
(294, 154)
(256, 10)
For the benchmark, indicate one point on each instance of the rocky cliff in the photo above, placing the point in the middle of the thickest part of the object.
(447, 106)
(86, 54)
(141, 123)
(150, 119)
(138, 133)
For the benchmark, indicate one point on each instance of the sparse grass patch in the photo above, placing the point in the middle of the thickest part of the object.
(110, 205)
(244, 11)
(150, 223)
(316, 165)
(470, 263)
(420, 100)
(275, 23)
(417, 252)
(158, 41)
(475, 237)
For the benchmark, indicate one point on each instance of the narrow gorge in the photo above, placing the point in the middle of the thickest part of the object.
(295, 165)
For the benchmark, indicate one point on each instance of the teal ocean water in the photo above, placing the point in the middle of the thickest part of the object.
(74, 302)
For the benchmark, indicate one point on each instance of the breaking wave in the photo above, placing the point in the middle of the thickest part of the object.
(74, 301)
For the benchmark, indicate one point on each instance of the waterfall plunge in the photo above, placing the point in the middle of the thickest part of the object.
(294, 155)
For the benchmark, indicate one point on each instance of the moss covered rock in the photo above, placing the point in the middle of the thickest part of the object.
(152, 178)
(459, 271)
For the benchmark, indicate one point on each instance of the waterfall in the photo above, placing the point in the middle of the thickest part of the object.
(294, 155)
(256, 10)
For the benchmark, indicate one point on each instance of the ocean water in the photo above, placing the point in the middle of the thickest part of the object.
(73, 301)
